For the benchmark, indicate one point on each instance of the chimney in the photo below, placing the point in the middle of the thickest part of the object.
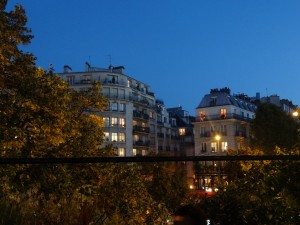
(67, 69)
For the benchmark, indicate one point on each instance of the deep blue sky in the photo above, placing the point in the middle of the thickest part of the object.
(180, 48)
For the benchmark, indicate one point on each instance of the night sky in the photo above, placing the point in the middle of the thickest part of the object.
(182, 49)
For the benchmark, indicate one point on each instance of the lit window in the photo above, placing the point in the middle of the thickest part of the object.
(144, 152)
(224, 146)
(106, 121)
(202, 116)
(121, 136)
(114, 106)
(134, 152)
(121, 151)
(106, 136)
(213, 147)
(181, 131)
(114, 121)
(151, 115)
(122, 122)
(114, 136)
(223, 113)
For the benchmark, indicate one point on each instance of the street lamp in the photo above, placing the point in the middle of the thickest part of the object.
(218, 137)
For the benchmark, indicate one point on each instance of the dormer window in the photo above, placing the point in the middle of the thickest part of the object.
(213, 101)
(202, 116)
(223, 113)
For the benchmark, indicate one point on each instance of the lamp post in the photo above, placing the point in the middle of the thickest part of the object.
(218, 137)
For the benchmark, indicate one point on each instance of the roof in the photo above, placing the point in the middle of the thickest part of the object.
(222, 99)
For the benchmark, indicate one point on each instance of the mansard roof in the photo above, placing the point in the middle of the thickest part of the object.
(223, 98)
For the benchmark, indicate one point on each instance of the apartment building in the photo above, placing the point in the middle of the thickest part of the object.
(136, 123)
(222, 125)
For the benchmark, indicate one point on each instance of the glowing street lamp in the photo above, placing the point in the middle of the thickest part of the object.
(218, 137)
(295, 113)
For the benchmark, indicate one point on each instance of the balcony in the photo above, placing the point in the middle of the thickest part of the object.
(160, 134)
(241, 134)
(141, 129)
(141, 115)
(141, 143)
(222, 117)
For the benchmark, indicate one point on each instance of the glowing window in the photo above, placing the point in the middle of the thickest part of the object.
(181, 131)
(114, 136)
(121, 136)
(121, 151)
(122, 122)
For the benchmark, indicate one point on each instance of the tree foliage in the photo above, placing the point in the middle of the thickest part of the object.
(273, 127)
(267, 193)
(42, 117)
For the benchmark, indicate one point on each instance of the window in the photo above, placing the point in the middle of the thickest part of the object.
(173, 121)
(70, 79)
(202, 131)
(112, 79)
(223, 130)
(134, 152)
(212, 128)
(122, 137)
(203, 147)
(114, 93)
(224, 146)
(202, 116)
(114, 106)
(122, 94)
(213, 101)
(106, 136)
(165, 120)
(114, 136)
(105, 92)
(122, 122)
(151, 115)
(223, 113)
(181, 131)
(114, 121)
(159, 118)
(106, 121)
(121, 151)
(214, 147)
(122, 107)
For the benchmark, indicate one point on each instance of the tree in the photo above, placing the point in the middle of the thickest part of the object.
(267, 193)
(273, 127)
(42, 117)
(167, 183)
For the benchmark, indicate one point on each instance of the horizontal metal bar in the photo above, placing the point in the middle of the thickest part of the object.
(145, 159)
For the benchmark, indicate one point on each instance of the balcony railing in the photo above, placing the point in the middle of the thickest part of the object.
(141, 129)
(241, 134)
(222, 117)
(141, 115)
(141, 143)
